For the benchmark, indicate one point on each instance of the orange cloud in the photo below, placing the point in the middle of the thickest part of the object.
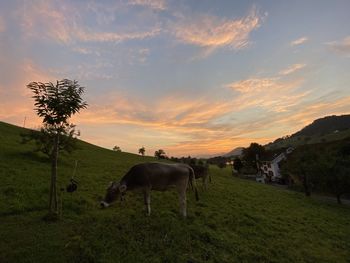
(272, 94)
(15, 99)
(341, 47)
(299, 41)
(291, 69)
(253, 85)
(61, 24)
(212, 32)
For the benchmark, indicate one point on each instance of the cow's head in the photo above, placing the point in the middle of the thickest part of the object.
(114, 191)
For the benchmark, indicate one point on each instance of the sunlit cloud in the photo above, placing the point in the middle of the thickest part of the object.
(273, 94)
(212, 32)
(59, 23)
(299, 41)
(308, 112)
(153, 4)
(253, 85)
(291, 69)
(341, 47)
(90, 36)
(15, 108)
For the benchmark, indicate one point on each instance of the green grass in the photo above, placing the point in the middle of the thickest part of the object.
(234, 221)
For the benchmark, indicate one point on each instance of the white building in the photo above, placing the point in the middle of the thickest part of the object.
(269, 166)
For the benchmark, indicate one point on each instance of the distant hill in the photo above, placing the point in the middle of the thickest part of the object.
(325, 125)
(330, 128)
(235, 152)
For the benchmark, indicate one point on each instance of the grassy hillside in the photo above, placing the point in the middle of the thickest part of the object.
(234, 221)
(326, 129)
(298, 140)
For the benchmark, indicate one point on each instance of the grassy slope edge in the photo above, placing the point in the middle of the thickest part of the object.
(234, 221)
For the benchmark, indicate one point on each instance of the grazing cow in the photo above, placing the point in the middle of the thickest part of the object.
(153, 176)
(202, 172)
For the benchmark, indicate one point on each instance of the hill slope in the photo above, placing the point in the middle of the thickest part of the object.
(234, 221)
(326, 125)
(330, 128)
(235, 152)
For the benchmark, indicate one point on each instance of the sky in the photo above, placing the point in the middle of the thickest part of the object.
(189, 77)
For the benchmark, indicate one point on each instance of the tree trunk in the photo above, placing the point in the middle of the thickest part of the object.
(338, 198)
(53, 205)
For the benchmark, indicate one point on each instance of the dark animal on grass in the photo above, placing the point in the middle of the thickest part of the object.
(153, 176)
(201, 171)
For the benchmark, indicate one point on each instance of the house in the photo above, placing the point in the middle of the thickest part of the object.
(269, 165)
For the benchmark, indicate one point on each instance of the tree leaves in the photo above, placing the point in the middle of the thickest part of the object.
(57, 103)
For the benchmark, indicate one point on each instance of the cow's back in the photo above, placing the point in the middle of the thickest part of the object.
(158, 176)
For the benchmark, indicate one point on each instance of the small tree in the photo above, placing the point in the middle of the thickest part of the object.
(252, 152)
(237, 164)
(335, 171)
(117, 149)
(221, 165)
(160, 154)
(142, 151)
(56, 104)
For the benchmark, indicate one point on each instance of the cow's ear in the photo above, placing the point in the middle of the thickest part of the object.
(122, 188)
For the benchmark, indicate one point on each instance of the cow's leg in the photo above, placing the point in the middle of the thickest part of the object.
(181, 188)
(147, 200)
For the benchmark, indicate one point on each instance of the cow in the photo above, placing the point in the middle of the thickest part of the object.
(153, 176)
(201, 171)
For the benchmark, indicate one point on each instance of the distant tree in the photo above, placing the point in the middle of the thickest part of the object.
(252, 152)
(117, 149)
(160, 154)
(142, 151)
(335, 171)
(193, 161)
(237, 164)
(56, 103)
(322, 167)
(302, 166)
(221, 165)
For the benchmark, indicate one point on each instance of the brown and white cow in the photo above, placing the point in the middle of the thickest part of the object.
(153, 176)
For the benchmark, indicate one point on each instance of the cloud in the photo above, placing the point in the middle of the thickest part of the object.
(271, 94)
(153, 4)
(212, 32)
(60, 23)
(299, 41)
(341, 47)
(14, 108)
(291, 69)
(252, 85)
(91, 36)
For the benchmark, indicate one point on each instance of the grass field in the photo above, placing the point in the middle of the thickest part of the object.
(234, 221)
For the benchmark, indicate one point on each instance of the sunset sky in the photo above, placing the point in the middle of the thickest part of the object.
(190, 77)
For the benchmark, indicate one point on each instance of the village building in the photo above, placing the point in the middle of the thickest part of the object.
(269, 166)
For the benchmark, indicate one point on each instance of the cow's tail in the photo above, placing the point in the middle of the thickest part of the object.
(192, 181)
